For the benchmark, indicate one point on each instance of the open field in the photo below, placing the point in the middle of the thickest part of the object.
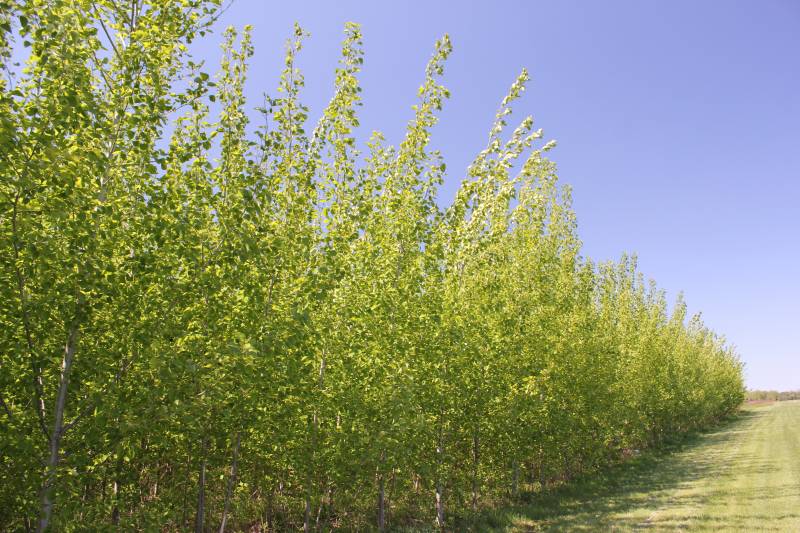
(743, 476)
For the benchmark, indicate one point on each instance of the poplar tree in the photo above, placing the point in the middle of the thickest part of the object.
(216, 316)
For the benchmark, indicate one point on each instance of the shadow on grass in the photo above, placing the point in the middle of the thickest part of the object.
(608, 500)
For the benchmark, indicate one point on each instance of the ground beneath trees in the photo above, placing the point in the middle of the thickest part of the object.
(744, 476)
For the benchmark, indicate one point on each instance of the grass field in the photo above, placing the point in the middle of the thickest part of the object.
(743, 476)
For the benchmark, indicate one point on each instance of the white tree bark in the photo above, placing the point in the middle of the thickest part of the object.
(48, 486)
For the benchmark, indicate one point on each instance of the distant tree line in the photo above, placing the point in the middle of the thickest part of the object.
(772, 395)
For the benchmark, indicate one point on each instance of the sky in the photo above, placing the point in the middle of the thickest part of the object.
(678, 127)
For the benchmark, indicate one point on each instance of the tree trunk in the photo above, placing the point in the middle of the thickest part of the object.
(319, 513)
(475, 459)
(307, 515)
(115, 510)
(201, 492)
(58, 428)
(439, 505)
(381, 501)
(231, 482)
(439, 488)
(36, 369)
(270, 511)
(184, 517)
(515, 478)
(331, 510)
(115, 493)
(314, 431)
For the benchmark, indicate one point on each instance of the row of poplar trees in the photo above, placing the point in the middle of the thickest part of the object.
(210, 323)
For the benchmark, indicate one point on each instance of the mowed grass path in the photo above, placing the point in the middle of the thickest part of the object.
(743, 476)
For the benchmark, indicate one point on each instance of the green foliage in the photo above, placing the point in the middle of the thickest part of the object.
(263, 328)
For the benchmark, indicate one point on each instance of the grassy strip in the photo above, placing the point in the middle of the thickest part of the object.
(742, 475)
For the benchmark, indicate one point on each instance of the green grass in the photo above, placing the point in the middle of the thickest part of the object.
(742, 476)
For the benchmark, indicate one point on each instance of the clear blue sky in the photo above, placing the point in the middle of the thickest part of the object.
(678, 126)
